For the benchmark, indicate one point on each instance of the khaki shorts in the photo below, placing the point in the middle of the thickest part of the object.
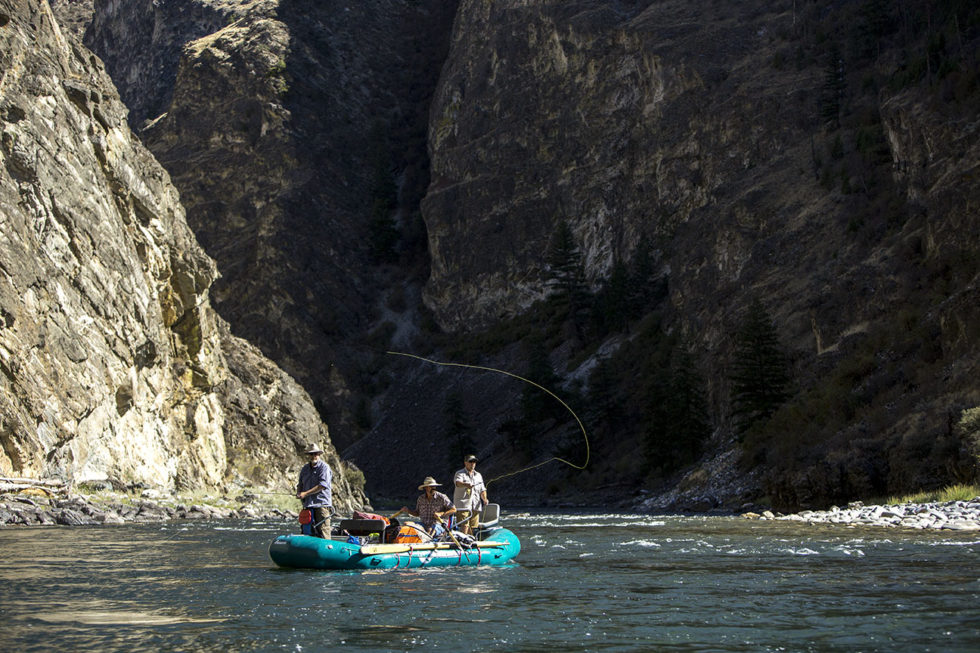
(321, 521)
(463, 515)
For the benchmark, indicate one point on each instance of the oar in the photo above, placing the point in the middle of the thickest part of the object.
(450, 531)
(376, 549)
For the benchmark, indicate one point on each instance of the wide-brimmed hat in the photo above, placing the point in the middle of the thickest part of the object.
(429, 482)
(313, 448)
(470, 459)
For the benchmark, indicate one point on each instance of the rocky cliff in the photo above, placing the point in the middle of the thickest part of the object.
(670, 119)
(275, 120)
(115, 367)
(847, 201)
(819, 157)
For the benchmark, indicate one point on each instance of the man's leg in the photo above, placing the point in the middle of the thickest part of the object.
(463, 519)
(321, 522)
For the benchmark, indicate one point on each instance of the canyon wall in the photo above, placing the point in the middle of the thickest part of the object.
(116, 369)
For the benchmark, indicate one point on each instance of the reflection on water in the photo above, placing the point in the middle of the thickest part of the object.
(582, 582)
(115, 617)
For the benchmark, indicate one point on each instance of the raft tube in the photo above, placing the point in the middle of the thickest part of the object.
(308, 552)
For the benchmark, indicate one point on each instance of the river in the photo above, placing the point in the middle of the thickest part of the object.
(583, 582)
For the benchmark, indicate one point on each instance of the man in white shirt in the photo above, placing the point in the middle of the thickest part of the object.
(469, 496)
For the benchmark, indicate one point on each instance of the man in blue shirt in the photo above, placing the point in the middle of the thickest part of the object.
(314, 490)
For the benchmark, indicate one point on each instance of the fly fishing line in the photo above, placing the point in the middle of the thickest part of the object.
(585, 435)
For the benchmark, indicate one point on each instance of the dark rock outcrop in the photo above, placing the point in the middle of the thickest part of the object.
(687, 123)
(114, 365)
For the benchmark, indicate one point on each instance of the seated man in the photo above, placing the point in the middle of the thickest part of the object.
(431, 506)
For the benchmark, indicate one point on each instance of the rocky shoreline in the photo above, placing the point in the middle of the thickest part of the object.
(77, 510)
(950, 515)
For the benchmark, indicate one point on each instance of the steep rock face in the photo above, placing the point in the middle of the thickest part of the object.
(145, 77)
(548, 112)
(114, 364)
(73, 16)
(634, 119)
(663, 119)
(279, 188)
(676, 121)
(269, 420)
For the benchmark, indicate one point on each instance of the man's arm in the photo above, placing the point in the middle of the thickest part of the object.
(324, 475)
(440, 515)
(312, 490)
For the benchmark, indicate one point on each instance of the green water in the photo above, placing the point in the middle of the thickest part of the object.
(581, 583)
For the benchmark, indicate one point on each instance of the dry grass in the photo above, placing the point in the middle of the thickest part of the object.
(958, 492)
(260, 500)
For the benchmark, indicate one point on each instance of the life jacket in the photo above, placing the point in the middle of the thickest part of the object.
(408, 533)
(411, 534)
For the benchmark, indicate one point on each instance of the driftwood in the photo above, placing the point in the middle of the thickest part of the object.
(34, 481)
(50, 486)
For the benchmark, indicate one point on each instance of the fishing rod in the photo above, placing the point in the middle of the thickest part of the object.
(581, 426)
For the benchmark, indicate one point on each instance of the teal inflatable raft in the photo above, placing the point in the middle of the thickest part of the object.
(309, 552)
(494, 546)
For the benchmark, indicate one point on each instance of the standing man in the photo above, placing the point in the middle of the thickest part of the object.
(470, 495)
(314, 490)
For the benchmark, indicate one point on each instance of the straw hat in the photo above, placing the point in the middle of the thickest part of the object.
(313, 448)
(429, 482)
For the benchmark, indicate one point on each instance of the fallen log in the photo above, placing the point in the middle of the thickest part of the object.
(49, 487)
(34, 481)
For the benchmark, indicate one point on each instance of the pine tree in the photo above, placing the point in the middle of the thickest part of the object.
(535, 403)
(688, 407)
(640, 276)
(569, 289)
(657, 449)
(605, 406)
(537, 406)
(832, 92)
(677, 421)
(760, 377)
(874, 22)
(612, 309)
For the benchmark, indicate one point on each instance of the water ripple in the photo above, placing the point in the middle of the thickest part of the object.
(583, 582)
